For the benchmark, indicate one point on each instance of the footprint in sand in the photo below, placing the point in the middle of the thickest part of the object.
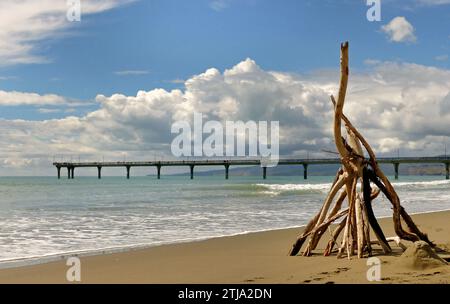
(341, 269)
(427, 274)
(318, 279)
(254, 279)
(327, 274)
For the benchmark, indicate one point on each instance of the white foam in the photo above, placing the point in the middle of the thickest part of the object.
(275, 189)
(295, 187)
(427, 183)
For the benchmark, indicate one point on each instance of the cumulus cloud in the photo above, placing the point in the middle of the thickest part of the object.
(23, 24)
(395, 105)
(399, 30)
(445, 105)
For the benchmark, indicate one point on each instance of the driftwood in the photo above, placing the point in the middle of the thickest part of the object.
(357, 169)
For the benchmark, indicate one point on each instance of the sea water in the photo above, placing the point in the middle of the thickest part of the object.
(42, 216)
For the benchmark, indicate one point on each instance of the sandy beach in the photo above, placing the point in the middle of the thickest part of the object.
(251, 258)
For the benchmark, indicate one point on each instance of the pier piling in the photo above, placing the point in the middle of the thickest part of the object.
(264, 172)
(396, 165)
(192, 171)
(128, 172)
(158, 169)
(59, 172)
(447, 171)
(227, 167)
(305, 171)
(99, 172)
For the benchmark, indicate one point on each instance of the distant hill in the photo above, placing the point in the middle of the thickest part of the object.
(322, 170)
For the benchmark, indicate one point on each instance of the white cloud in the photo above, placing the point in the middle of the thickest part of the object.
(24, 24)
(219, 5)
(14, 98)
(16, 162)
(399, 30)
(48, 110)
(371, 61)
(441, 58)
(8, 77)
(433, 2)
(131, 72)
(393, 104)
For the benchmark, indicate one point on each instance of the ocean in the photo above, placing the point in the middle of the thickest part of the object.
(46, 217)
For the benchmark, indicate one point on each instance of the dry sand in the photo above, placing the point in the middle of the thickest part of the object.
(252, 258)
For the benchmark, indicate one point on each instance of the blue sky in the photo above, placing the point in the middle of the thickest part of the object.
(150, 44)
(174, 39)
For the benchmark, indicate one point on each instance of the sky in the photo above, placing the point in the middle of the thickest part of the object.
(110, 85)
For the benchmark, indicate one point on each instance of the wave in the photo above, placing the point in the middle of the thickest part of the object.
(277, 189)
(289, 189)
(423, 184)
(37, 259)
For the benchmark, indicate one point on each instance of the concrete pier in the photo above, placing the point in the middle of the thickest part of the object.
(99, 172)
(396, 165)
(240, 162)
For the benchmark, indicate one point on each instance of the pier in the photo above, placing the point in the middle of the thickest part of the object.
(226, 163)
